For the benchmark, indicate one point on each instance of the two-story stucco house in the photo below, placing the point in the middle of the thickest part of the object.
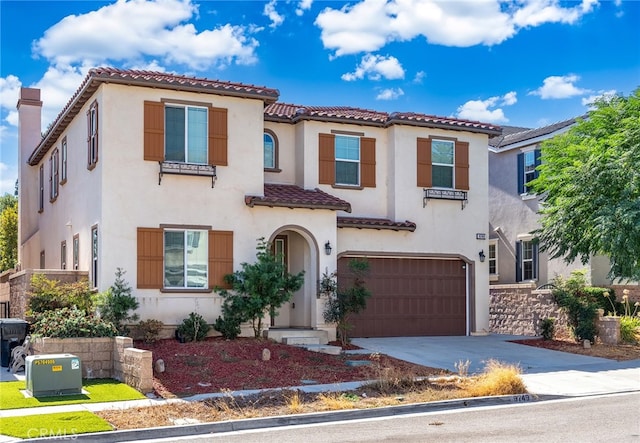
(173, 179)
(514, 255)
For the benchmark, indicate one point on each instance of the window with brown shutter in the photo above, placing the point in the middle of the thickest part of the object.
(150, 258)
(366, 161)
(326, 150)
(218, 136)
(154, 131)
(424, 162)
(462, 165)
(220, 258)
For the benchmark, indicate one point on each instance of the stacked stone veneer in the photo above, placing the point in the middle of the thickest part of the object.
(104, 357)
(519, 310)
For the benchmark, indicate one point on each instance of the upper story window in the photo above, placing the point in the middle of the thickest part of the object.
(442, 163)
(270, 144)
(63, 166)
(347, 160)
(527, 164)
(92, 135)
(41, 189)
(54, 176)
(186, 134)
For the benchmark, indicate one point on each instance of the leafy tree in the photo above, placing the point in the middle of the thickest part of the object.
(590, 187)
(342, 302)
(8, 232)
(116, 302)
(257, 289)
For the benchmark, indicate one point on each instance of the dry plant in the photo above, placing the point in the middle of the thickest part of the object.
(497, 379)
(334, 401)
(294, 402)
(462, 367)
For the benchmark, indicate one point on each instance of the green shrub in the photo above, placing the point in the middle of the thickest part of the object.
(148, 330)
(71, 322)
(116, 302)
(630, 329)
(46, 294)
(548, 328)
(605, 298)
(193, 328)
(580, 306)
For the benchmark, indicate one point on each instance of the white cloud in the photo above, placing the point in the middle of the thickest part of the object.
(303, 6)
(9, 91)
(270, 11)
(559, 87)
(390, 94)
(419, 78)
(510, 98)
(132, 30)
(480, 110)
(369, 25)
(376, 67)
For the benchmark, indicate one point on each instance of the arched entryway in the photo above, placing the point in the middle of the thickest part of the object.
(299, 250)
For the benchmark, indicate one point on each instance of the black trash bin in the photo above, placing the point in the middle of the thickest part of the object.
(13, 331)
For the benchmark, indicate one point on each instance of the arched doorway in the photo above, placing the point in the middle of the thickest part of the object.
(300, 253)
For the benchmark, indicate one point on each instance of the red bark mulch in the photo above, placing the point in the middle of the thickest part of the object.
(216, 365)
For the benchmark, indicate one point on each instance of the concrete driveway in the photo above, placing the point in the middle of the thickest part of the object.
(544, 371)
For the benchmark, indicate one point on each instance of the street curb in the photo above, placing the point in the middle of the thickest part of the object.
(299, 419)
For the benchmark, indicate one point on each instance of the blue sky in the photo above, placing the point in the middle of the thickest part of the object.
(517, 62)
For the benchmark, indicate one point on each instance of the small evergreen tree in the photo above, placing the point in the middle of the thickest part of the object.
(116, 302)
(343, 302)
(259, 288)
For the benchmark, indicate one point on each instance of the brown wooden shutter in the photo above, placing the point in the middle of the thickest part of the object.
(150, 258)
(424, 162)
(220, 258)
(218, 136)
(154, 131)
(462, 165)
(326, 159)
(368, 162)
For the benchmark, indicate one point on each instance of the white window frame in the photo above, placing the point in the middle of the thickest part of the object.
(63, 172)
(527, 245)
(274, 150)
(529, 175)
(203, 237)
(451, 165)
(76, 252)
(493, 258)
(63, 254)
(94, 255)
(92, 154)
(186, 131)
(41, 189)
(347, 160)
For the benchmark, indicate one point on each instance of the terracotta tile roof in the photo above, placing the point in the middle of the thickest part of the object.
(375, 223)
(291, 196)
(97, 76)
(293, 113)
(512, 134)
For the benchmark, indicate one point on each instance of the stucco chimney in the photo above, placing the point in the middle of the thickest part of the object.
(29, 136)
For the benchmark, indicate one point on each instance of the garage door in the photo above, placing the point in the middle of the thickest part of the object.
(411, 297)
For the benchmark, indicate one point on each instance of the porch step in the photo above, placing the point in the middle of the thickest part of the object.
(301, 340)
(325, 349)
(279, 335)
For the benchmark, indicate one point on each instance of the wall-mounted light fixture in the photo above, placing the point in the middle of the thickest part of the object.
(482, 256)
(327, 248)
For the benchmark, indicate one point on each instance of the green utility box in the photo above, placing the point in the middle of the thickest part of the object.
(53, 374)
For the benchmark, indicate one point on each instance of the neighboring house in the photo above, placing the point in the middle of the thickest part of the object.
(173, 179)
(514, 255)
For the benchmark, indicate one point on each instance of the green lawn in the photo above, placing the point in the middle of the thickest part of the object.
(99, 391)
(63, 425)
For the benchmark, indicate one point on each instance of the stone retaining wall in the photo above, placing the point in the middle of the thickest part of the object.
(104, 357)
(519, 309)
(20, 286)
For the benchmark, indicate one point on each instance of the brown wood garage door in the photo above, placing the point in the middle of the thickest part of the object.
(411, 297)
